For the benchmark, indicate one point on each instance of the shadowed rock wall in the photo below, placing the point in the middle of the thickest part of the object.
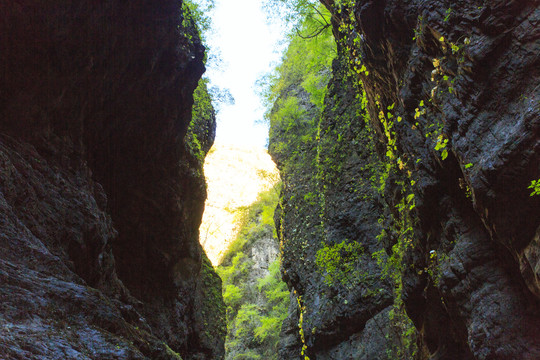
(475, 67)
(453, 102)
(101, 198)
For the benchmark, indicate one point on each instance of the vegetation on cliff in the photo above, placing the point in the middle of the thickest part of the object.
(255, 296)
(386, 203)
(295, 92)
(235, 176)
(320, 139)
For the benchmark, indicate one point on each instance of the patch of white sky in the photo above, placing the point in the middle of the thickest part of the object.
(249, 46)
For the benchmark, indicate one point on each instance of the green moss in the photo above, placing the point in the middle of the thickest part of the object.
(211, 317)
(338, 262)
(200, 132)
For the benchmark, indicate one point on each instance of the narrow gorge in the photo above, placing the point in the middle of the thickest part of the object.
(405, 223)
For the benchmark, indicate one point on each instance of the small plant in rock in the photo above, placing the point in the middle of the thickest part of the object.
(448, 13)
(535, 186)
(441, 146)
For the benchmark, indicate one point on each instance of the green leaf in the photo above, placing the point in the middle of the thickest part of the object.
(444, 154)
(535, 185)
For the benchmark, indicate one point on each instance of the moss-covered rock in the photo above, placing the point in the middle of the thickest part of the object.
(418, 179)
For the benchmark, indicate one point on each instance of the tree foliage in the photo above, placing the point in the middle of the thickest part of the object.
(306, 62)
(294, 93)
(255, 307)
(199, 11)
(306, 15)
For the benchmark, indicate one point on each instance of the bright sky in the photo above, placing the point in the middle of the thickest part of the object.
(248, 47)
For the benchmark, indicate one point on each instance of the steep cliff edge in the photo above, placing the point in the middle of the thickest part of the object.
(101, 195)
(450, 92)
(328, 221)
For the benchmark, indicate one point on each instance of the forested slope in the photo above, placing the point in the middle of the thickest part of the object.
(255, 296)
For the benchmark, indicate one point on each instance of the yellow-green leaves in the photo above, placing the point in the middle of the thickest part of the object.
(535, 186)
(441, 146)
(338, 262)
(418, 111)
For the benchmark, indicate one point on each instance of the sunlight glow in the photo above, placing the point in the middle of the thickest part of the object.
(249, 47)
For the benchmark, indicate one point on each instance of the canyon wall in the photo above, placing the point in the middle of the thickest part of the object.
(407, 223)
(101, 190)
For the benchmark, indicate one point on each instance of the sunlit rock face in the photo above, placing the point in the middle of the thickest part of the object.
(470, 274)
(100, 199)
(235, 176)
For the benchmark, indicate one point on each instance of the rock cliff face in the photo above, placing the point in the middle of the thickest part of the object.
(329, 223)
(443, 155)
(100, 196)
